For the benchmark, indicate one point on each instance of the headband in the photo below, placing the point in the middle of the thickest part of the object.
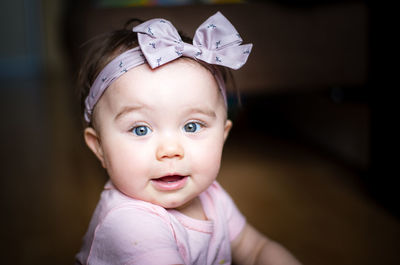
(216, 42)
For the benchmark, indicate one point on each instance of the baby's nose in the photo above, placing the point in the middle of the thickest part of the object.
(169, 148)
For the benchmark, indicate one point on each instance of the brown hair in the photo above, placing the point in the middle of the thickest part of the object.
(104, 48)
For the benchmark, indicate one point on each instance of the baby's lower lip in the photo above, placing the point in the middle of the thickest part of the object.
(169, 183)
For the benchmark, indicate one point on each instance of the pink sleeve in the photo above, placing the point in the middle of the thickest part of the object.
(134, 236)
(236, 220)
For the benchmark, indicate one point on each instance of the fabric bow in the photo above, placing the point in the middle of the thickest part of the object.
(216, 41)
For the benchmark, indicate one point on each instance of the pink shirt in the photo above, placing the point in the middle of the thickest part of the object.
(128, 231)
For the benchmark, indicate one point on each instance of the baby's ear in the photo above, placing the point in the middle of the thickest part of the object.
(228, 126)
(92, 140)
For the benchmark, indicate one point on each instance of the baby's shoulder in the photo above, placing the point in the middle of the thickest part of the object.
(127, 228)
(114, 204)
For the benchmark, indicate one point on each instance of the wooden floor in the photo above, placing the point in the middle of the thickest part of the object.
(312, 204)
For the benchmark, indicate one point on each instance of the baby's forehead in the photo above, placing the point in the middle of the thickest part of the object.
(185, 76)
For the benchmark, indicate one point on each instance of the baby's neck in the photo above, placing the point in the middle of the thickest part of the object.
(193, 209)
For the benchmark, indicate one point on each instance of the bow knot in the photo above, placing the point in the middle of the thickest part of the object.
(216, 41)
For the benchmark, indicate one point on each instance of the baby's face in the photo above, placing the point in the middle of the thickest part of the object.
(160, 133)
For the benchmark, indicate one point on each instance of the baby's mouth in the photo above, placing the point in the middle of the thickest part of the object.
(170, 182)
(169, 179)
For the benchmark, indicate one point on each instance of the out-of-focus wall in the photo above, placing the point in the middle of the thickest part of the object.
(21, 41)
(295, 48)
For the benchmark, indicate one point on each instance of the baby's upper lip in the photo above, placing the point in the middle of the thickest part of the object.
(172, 175)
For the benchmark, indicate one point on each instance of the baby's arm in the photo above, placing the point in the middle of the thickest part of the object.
(250, 248)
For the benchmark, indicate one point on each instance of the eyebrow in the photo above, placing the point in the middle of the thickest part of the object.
(127, 109)
(206, 111)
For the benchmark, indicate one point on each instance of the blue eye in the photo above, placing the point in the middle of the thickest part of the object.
(192, 127)
(141, 130)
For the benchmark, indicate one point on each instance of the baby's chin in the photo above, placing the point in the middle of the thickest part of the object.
(173, 204)
(173, 201)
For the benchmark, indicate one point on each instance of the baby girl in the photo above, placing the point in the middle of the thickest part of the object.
(156, 114)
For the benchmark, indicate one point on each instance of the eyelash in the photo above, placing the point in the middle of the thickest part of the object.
(199, 123)
(136, 126)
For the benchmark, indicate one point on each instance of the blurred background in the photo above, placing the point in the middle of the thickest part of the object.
(311, 160)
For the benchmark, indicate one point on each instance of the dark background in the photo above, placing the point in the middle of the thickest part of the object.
(312, 158)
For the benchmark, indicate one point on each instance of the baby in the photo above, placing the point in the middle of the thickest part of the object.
(156, 112)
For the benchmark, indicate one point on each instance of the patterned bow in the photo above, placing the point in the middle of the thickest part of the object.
(216, 41)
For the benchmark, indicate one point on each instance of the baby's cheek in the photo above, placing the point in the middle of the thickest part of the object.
(208, 158)
(128, 161)
(129, 173)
